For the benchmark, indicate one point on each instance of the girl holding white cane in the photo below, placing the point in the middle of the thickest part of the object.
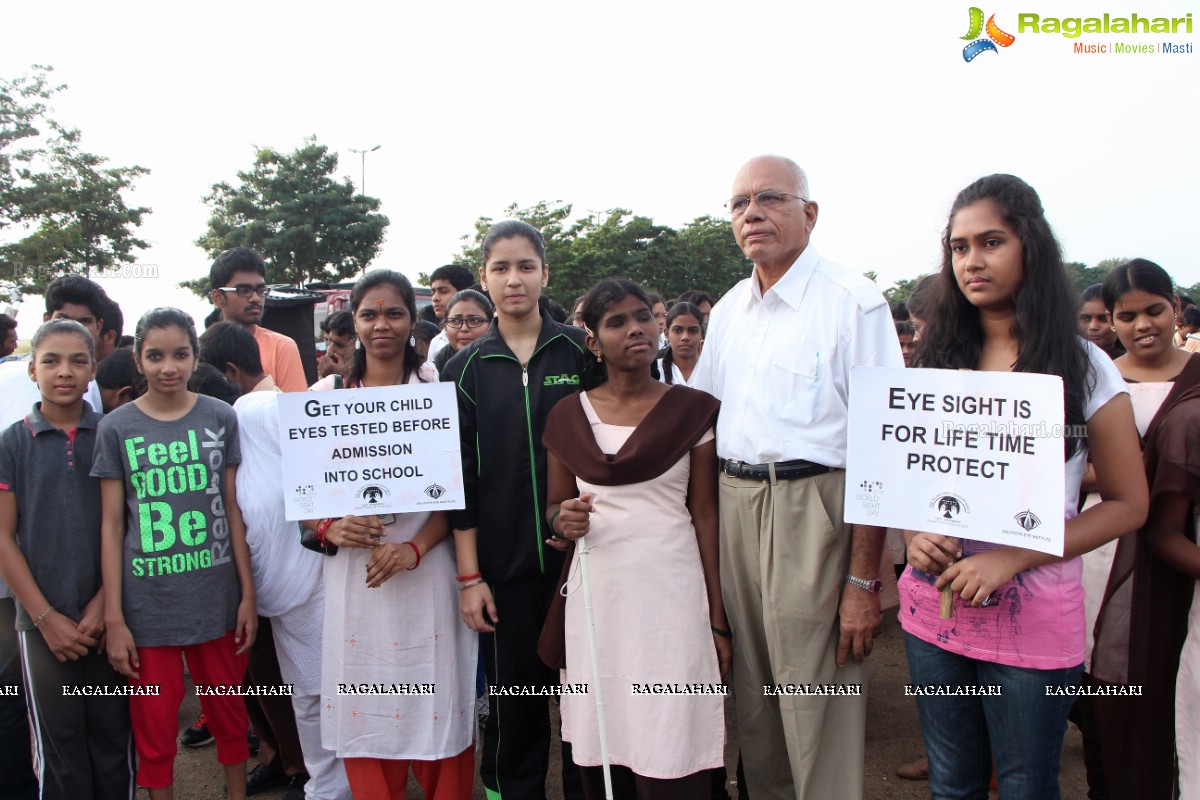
(632, 465)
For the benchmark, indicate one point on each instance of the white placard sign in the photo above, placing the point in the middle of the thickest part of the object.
(976, 455)
(382, 450)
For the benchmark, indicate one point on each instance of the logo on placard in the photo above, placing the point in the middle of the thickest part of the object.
(867, 494)
(304, 496)
(435, 491)
(372, 494)
(1027, 520)
(949, 506)
(979, 45)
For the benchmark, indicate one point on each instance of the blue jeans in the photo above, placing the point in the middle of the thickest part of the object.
(1022, 729)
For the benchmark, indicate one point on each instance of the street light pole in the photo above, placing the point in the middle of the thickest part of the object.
(362, 184)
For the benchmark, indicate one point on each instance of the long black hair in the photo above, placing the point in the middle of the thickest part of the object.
(680, 309)
(374, 279)
(1047, 335)
(595, 304)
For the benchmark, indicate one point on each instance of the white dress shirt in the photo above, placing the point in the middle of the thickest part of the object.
(780, 362)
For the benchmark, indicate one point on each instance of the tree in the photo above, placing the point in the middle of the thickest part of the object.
(307, 225)
(82, 221)
(618, 244)
(701, 255)
(1083, 276)
(900, 291)
(22, 106)
(69, 202)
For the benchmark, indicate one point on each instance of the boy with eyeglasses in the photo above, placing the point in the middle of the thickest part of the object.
(239, 291)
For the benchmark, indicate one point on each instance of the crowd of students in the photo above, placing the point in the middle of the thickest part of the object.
(142, 527)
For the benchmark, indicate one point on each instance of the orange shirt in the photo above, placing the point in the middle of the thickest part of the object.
(281, 359)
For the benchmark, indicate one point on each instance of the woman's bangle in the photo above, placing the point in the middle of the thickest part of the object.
(470, 583)
(553, 517)
(416, 550)
(322, 528)
(38, 622)
(471, 577)
(722, 633)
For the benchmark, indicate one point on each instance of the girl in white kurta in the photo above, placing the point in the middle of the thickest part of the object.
(641, 458)
(398, 664)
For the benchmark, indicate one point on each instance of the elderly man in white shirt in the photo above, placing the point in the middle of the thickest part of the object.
(800, 586)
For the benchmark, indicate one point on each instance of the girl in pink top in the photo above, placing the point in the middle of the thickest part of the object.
(1017, 628)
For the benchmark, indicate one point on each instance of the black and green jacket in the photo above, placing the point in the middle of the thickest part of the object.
(502, 410)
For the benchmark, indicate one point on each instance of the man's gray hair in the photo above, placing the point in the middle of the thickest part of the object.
(56, 326)
(801, 177)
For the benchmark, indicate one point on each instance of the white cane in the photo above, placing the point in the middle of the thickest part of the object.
(591, 620)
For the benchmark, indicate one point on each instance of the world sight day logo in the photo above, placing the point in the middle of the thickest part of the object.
(983, 44)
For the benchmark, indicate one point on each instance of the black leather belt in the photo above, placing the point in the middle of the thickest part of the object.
(784, 470)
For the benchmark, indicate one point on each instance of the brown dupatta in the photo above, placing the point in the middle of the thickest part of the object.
(1143, 618)
(667, 432)
(670, 429)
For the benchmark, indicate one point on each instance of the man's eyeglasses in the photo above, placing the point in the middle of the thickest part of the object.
(246, 290)
(470, 322)
(767, 199)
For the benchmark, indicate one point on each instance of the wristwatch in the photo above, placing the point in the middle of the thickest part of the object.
(874, 587)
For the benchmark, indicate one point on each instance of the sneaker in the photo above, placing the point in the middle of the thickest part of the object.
(197, 734)
(295, 789)
(263, 777)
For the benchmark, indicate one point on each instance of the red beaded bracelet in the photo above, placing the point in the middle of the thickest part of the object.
(322, 528)
(416, 550)
(465, 578)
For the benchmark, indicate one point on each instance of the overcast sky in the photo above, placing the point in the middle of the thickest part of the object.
(650, 106)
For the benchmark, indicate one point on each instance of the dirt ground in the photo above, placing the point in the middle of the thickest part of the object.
(892, 737)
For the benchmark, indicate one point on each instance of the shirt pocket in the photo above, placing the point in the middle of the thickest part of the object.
(801, 386)
(800, 366)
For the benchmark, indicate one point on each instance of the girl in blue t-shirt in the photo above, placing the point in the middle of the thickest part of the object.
(175, 563)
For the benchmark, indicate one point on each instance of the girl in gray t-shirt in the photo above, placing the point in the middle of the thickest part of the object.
(175, 563)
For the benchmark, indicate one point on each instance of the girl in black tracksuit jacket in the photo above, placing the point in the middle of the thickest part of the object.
(507, 573)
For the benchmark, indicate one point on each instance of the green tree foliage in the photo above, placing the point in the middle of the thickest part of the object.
(619, 243)
(704, 256)
(309, 226)
(22, 107)
(66, 206)
(899, 291)
(1083, 276)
